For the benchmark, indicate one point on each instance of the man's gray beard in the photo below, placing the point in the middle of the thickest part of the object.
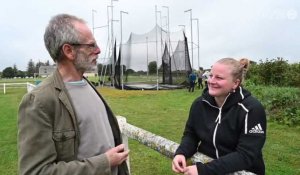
(81, 64)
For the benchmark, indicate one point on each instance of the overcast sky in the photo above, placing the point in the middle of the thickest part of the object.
(256, 29)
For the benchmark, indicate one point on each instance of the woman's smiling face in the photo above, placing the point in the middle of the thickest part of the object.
(221, 81)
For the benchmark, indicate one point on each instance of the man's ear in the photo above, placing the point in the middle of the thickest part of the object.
(68, 51)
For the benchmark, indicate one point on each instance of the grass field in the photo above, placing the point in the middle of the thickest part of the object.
(161, 112)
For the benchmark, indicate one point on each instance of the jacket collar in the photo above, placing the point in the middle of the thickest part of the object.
(233, 98)
(57, 80)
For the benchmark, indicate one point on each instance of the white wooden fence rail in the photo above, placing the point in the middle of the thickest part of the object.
(30, 87)
(5, 86)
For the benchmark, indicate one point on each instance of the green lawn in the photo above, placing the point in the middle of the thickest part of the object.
(161, 112)
(8, 130)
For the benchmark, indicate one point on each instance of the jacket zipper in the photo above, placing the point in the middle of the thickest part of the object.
(218, 121)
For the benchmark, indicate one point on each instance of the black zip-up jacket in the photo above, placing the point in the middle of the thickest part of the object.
(233, 134)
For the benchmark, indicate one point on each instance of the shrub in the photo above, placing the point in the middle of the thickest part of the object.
(275, 72)
(281, 103)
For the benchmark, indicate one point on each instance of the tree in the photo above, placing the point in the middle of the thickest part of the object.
(15, 70)
(8, 72)
(38, 65)
(129, 71)
(30, 68)
(100, 67)
(47, 63)
(21, 74)
(152, 67)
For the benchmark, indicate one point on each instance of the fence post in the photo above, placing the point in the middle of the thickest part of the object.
(4, 91)
(122, 124)
(30, 87)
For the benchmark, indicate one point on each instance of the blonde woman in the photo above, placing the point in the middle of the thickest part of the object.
(226, 123)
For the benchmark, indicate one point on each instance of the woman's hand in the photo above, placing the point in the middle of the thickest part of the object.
(179, 164)
(190, 170)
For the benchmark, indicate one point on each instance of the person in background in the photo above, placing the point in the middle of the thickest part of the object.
(200, 76)
(192, 81)
(64, 126)
(226, 123)
(205, 77)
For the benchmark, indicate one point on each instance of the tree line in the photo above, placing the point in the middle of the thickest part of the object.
(277, 72)
(31, 71)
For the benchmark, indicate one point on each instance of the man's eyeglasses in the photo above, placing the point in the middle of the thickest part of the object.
(92, 45)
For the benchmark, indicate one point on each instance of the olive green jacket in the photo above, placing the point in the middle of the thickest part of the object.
(48, 134)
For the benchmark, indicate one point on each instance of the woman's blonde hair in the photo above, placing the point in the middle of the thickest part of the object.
(239, 68)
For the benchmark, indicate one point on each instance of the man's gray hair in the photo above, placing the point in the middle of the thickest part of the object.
(60, 31)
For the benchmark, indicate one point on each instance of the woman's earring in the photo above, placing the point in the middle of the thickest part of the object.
(233, 90)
